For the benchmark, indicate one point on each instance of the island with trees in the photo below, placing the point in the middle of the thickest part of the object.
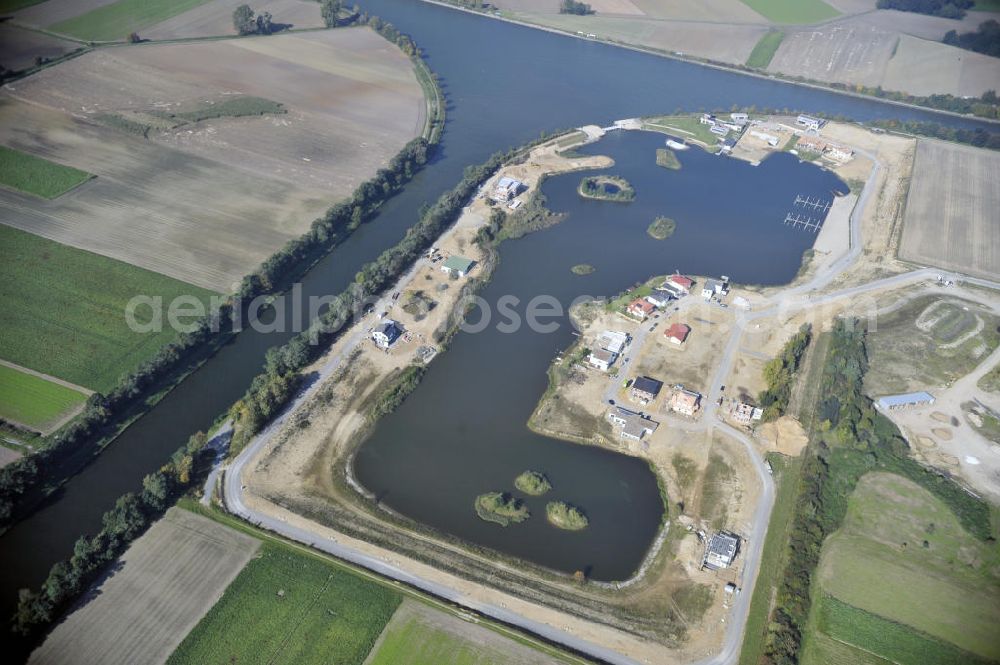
(583, 269)
(533, 483)
(662, 228)
(667, 159)
(501, 508)
(607, 188)
(565, 516)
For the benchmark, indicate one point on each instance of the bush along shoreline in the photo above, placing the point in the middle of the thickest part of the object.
(24, 484)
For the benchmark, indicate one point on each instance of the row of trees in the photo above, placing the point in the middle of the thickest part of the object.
(985, 40)
(851, 439)
(131, 514)
(942, 8)
(780, 373)
(575, 7)
(74, 445)
(248, 23)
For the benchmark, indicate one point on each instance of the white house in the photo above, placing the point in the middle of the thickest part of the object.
(387, 333)
(659, 298)
(809, 122)
(613, 341)
(507, 188)
(602, 359)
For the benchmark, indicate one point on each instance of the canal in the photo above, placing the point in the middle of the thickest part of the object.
(505, 84)
(463, 431)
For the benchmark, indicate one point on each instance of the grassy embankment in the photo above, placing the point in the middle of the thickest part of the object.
(501, 508)
(662, 228)
(667, 159)
(533, 483)
(116, 21)
(13, 5)
(34, 175)
(683, 126)
(142, 123)
(33, 401)
(793, 11)
(765, 49)
(565, 516)
(62, 310)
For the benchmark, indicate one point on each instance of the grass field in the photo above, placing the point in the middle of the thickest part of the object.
(421, 635)
(765, 49)
(772, 561)
(31, 400)
(952, 338)
(62, 310)
(901, 578)
(115, 21)
(685, 127)
(793, 11)
(874, 635)
(37, 176)
(289, 607)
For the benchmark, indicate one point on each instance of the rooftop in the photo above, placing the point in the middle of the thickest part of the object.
(677, 331)
(647, 385)
(905, 399)
(458, 264)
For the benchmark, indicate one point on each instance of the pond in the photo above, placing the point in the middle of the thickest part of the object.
(463, 431)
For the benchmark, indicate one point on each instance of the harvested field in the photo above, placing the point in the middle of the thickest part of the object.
(922, 67)
(951, 210)
(845, 51)
(216, 18)
(421, 635)
(19, 47)
(169, 578)
(207, 202)
(715, 41)
(288, 606)
(700, 10)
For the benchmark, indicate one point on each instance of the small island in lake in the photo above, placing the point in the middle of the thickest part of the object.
(533, 483)
(606, 188)
(662, 228)
(501, 508)
(667, 159)
(583, 269)
(565, 516)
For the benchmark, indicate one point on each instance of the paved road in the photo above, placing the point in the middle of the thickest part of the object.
(788, 301)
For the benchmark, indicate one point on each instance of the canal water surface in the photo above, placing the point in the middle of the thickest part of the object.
(463, 431)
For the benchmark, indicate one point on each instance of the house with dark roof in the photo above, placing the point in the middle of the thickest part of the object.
(721, 551)
(645, 389)
(386, 334)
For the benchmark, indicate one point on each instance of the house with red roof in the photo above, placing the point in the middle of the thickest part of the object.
(677, 332)
(641, 308)
(679, 283)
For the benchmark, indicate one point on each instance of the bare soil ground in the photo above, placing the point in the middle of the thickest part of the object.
(8, 456)
(168, 579)
(474, 644)
(924, 67)
(715, 41)
(851, 51)
(216, 18)
(206, 202)
(951, 211)
(20, 47)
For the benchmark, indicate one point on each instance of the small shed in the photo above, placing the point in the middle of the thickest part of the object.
(457, 265)
(905, 401)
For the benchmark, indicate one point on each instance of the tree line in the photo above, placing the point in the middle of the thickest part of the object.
(104, 414)
(942, 8)
(984, 40)
(850, 440)
(780, 372)
(126, 521)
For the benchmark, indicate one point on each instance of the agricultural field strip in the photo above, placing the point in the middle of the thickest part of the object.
(170, 577)
(34, 401)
